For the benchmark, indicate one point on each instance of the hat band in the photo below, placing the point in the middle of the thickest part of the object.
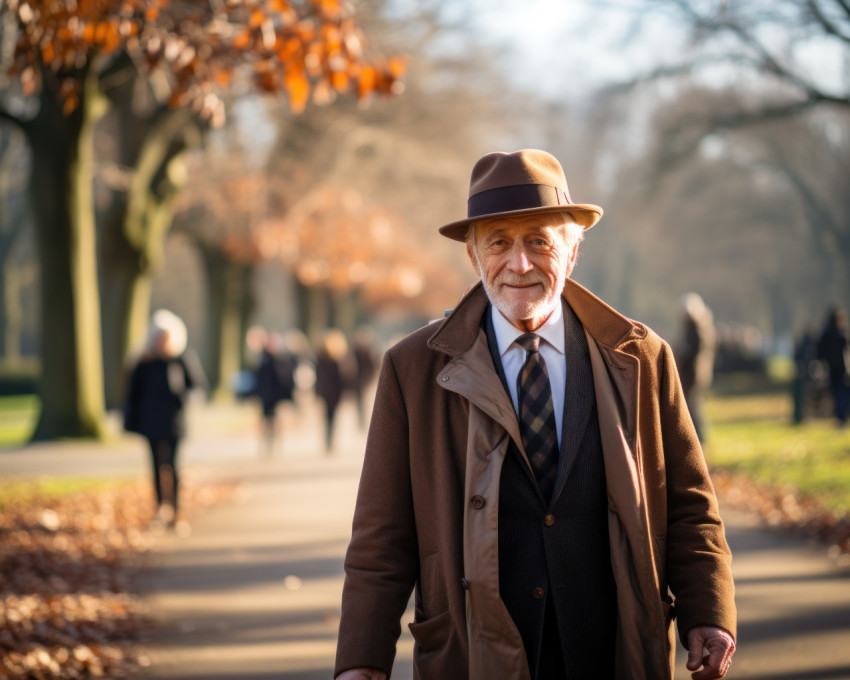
(516, 197)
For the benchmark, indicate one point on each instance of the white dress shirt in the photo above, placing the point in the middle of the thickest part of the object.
(551, 348)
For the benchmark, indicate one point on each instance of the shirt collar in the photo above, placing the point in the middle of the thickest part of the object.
(552, 330)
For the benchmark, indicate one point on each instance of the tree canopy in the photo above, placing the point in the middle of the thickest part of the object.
(192, 49)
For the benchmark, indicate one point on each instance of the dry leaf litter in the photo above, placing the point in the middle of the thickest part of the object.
(67, 566)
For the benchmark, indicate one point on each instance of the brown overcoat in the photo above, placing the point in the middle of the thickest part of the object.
(427, 508)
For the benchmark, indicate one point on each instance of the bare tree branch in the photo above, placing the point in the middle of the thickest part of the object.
(845, 6)
(682, 69)
(740, 119)
(771, 64)
(829, 26)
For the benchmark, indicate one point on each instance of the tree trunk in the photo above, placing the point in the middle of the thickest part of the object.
(71, 383)
(347, 313)
(125, 304)
(12, 224)
(5, 325)
(230, 301)
(315, 310)
(128, 273)
(12, 312)
(133, 237)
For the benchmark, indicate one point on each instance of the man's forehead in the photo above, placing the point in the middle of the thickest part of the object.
(552, 220)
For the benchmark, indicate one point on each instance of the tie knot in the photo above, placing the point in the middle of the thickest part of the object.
(529, 342)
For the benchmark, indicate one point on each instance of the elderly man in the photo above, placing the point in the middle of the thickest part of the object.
(533, 472)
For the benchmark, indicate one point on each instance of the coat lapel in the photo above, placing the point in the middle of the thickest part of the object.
(472, 376)
(578, 397)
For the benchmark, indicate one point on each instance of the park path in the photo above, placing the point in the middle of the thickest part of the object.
(253, 592)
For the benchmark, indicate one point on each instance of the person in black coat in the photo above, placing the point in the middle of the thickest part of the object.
(274, 382)
(333, 376)
(695, 356)
(365, 363)
(832, 350)
(159, 385)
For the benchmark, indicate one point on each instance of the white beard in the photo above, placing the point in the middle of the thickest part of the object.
(517, 309)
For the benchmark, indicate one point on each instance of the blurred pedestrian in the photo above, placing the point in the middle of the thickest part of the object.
(365, 362)
(805, 356)
(274, 381)
(333, 377)
(832, 350)
(695, 356)
(304, 379)
(159, 386)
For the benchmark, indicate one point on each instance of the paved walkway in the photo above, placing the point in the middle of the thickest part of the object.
(253, 592)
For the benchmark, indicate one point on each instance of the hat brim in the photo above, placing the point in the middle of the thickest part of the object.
(584, 214)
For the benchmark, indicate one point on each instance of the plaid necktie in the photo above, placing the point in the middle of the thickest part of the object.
(537, 415)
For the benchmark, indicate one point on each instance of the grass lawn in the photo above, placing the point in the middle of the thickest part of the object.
(753, 435)
(17, 419)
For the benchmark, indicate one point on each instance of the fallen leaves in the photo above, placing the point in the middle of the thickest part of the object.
(785, 508)
(67, 567)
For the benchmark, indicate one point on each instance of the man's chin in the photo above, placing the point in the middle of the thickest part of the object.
(516, 311)
(516, 307)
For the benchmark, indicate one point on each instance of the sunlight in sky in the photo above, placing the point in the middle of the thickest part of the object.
(563, 45)
(572, 47)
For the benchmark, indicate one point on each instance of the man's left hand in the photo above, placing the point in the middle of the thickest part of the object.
(712, 649)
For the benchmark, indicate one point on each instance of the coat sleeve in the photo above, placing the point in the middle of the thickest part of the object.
(382, 563)
(131, 403)
(196, 379)
(698, 557)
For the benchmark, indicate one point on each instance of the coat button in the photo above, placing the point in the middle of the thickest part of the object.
(538, 593)
(478, 502)
(549, 520)
(464, 583)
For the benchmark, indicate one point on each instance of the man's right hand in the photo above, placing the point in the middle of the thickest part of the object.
(362, 674)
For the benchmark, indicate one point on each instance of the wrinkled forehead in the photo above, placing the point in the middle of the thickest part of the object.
(545, 221)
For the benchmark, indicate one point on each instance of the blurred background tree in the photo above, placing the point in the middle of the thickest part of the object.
(164, 64)
(713, 133)
(759, 93)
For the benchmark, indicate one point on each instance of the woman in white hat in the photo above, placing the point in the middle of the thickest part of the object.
(159, 385)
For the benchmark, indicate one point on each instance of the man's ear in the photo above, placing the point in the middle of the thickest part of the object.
(473, 259)
(572, 259)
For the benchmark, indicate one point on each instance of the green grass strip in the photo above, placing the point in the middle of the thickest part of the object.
(47, 488)
(753, 435)
(18, 415)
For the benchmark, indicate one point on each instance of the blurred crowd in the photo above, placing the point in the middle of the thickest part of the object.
(280, 365)
(820, 385)
(279, 368)
(821, 360)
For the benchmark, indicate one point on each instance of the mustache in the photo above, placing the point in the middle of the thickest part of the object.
(508, 280)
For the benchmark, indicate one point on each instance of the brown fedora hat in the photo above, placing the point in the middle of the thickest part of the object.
(525, 182)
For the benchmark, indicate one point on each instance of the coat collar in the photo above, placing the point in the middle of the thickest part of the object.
(604, 324)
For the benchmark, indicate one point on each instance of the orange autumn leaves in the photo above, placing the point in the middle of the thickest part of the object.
(200, 48)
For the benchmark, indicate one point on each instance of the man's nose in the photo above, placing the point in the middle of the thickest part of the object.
(518, 260)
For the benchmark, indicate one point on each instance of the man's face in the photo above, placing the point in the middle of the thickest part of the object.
(523, 263)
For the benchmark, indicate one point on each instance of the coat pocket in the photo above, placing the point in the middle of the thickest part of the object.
(433, 634)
